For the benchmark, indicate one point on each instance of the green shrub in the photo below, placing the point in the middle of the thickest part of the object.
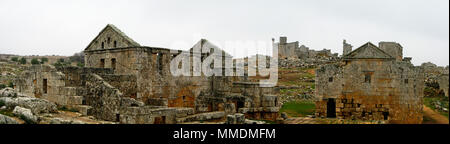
(34, 61)
(11, 85)
(23, 61)
(79, 64)
(44, 60)
(61, 64)
(2, 103)
(7, 113)
(15, 59)
(2, 86)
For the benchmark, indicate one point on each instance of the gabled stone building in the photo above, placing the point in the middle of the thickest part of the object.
(125, 82)
(371, 83)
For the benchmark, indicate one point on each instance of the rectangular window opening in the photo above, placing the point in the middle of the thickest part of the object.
(44, 86)
(368, 78)
(113, 63)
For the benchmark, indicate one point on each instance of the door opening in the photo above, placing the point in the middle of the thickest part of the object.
(331, 108)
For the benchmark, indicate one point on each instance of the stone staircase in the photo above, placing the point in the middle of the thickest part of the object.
(73, 99)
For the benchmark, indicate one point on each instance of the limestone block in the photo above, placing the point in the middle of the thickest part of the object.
(74, 100)
(25, 113)
(7, 120)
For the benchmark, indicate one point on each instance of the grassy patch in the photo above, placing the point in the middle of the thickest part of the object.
(2, 86)
(293, 91)
(2, 103)
(428, 101)
(296, 76)
(298, 108)
(7, 113)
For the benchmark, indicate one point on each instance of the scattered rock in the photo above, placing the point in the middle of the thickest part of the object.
(7, 120)
(235, 119)
(36, 105)
(63, 121)
(247, 121)
(25, 114)
(8, 92)
(284, 115)
(202, 117)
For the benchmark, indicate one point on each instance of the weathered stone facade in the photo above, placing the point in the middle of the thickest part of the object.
(371, 84)
(128, 83)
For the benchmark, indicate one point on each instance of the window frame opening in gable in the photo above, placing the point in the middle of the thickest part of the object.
(115, 44)
(103, 45)
(159, 59)
(368, 77)
(180, 65)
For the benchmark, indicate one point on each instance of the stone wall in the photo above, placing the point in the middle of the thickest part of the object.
(32, 80)
(75, 76)
(127, 84)
(254, 101)
(371, 90)
(63, 85)
(148, 115)
(104, 99)
(126, 59)
(392, 48)
(443, 83)
(111, 37)
(144, 73)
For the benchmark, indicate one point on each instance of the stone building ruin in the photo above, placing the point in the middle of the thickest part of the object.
(125, 82)
(293, 50)
(371, 83)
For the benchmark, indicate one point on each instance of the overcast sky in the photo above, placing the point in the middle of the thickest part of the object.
(63, 27)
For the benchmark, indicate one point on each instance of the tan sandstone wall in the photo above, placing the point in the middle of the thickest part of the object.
(394, 92)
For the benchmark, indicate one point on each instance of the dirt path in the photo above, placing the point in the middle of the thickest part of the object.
(436, 117)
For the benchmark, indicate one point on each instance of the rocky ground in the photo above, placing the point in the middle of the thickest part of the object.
(16, 108)
(309, 120)
(296, 84)
(433, 117)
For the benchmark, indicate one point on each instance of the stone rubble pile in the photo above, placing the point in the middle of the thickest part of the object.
(11, 99)
(25, 114)
(305, 63)
(7, 120)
